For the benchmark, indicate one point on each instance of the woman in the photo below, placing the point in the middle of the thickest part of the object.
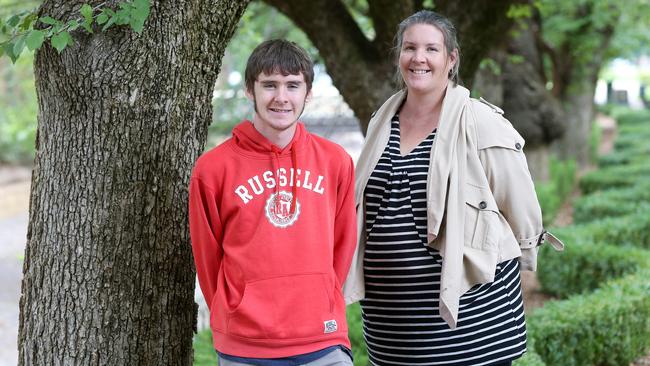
(449, 216)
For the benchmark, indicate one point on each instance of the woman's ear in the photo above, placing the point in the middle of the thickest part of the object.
(453, 57)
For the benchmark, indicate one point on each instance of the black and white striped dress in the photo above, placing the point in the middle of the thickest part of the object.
(402, 324)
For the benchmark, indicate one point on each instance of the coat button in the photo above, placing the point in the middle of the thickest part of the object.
(482, 205)
(518, 146)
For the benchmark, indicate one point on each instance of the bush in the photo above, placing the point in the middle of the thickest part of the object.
(626, 117)
(553, 193)
(584, 266)
(630, 230)
(610, 326)
(614, 177)
(611, 203)
(530, 358)
(636, 154)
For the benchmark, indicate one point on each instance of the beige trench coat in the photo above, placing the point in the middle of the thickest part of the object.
(489, 212)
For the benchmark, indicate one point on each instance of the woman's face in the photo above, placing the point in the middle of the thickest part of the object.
(423, 59)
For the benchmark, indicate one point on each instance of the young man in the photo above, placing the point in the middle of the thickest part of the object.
(273, 225)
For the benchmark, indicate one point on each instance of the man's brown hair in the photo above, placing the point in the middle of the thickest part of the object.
(278, 55)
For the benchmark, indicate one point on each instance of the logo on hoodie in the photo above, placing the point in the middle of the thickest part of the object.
(278, 209)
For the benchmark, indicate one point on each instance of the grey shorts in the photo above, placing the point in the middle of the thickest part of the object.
(334, 358)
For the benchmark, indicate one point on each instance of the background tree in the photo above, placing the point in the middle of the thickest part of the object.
(578, 38)
(108, 275)
(361, 64)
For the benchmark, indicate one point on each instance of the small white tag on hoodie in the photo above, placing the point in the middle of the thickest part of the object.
(330, 326)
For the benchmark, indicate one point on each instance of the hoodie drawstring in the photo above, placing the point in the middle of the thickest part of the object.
(276, 164)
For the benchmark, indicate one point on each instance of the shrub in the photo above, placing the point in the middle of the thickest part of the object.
(553, 193)
(631, 229)
(584, 266)
(530, 358)
(612, 202)
(632, 155)
(610, 326)
(614, 177)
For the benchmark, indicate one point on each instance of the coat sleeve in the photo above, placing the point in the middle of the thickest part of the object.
(345, 223)
(514, 192)
(205, 234)
(500, 149)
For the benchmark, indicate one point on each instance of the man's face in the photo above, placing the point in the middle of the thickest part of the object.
(279, 101)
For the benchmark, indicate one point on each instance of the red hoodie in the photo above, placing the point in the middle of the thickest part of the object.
(270, 267)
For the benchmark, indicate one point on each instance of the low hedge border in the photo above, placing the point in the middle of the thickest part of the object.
(614, 177)
(608, 327)
(584, 266)
(611, 203)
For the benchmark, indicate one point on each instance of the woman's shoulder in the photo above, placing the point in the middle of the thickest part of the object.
(492, 128)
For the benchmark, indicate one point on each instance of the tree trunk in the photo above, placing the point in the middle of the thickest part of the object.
(108, 273)
(580, 111)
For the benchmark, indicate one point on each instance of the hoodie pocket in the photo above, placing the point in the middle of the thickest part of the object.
(481, 219)
(287, 307)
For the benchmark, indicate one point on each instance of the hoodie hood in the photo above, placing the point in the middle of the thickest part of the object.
(251, 141)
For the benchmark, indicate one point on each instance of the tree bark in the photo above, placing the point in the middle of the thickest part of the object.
(363, 69)
(108, 272)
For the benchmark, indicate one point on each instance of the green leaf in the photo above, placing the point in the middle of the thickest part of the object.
(139, 15)
(113, 18)
(35, 39)
(73, 25)
(102, 17)
(28, 21)
(123, 16)
(13, 21)
(87, 12)
(61, 40)
(49, 20)
(9, 51)
(19, 45)
(87, 26)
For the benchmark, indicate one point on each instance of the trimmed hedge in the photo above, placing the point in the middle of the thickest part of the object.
(633, 155)
(530, 358)
(610, 326)
(614, 177)
(611, 203)
(631, 230)
(584, 266)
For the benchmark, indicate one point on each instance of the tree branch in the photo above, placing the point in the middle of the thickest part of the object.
(481, 26)
(327, 23)
(386, 16)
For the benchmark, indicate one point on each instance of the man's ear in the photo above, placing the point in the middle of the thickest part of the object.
(308, 97)
(249, 94)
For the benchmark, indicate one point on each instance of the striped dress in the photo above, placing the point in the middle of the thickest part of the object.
(401, 320)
